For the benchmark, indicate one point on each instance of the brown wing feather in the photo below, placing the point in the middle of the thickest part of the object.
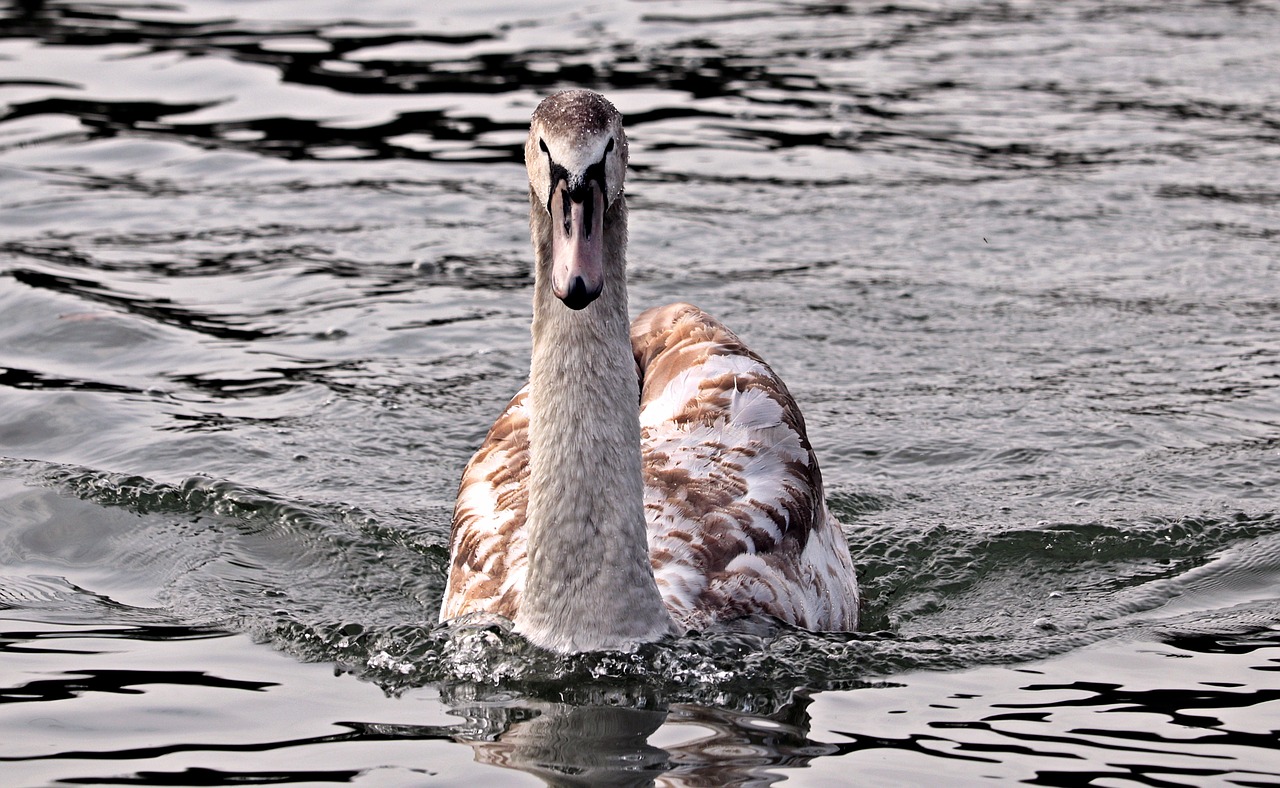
(738, 523)
(487, 542)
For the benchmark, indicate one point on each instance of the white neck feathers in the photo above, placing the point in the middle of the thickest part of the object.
(589, 585)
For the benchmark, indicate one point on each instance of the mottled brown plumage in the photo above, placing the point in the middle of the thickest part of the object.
(728, 521)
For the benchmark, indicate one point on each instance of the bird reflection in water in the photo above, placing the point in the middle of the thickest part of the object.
(602, 737)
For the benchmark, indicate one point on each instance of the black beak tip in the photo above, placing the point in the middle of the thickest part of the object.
(579, 295)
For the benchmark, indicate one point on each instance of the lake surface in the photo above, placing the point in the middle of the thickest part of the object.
(265, 282)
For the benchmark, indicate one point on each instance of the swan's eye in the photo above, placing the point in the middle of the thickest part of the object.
(543, 144)
(608, 147)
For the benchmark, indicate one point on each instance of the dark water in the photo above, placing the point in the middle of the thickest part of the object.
(264, 283)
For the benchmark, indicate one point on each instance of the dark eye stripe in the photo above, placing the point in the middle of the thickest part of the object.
(588, 211)
(579, 191)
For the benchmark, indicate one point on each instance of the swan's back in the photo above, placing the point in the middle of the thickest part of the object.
(737, 521)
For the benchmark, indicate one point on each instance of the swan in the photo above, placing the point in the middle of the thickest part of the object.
(652, 477)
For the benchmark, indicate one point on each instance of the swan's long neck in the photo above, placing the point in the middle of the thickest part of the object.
(589, 585)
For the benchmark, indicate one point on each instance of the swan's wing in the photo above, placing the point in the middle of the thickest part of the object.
(487, 544)
(737, 519)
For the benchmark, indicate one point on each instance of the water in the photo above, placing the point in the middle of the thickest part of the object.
(264, 278)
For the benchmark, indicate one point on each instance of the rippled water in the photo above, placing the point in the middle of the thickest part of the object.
(264, 281)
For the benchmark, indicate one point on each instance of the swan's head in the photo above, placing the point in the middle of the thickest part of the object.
(576, 155)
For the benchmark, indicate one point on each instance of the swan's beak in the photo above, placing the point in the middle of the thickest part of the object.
(577, 244)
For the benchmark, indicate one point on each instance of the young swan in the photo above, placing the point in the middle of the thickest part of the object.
(652, 477)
